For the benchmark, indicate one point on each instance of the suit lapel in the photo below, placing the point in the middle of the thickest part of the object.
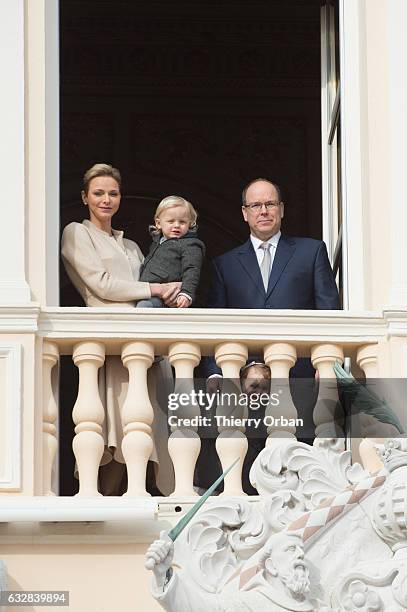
(248, 260)
(285, 250)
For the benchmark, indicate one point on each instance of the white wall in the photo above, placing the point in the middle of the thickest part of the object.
(42, 130)
(397, 196)
(13, 286)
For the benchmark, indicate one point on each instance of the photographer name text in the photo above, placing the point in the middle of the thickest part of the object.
(233, 422)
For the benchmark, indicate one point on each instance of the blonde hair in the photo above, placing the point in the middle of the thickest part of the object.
(170, 202)
(100, 170)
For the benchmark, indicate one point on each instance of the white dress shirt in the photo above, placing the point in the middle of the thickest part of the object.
(273, 241)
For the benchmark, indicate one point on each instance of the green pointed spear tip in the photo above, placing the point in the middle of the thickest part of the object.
(341, 373)
(180, 526)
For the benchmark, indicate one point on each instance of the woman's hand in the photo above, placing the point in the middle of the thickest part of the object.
(166, 291)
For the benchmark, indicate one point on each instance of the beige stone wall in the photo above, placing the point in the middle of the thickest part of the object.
(100, 578)
(19, 405)
(107, 577)
(377, 157)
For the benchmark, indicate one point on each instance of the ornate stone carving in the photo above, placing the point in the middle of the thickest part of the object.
(393, 453)
(374, 590)
(359, 596)
(390, 514)
(315, 473)
(381, 584)
(278, 581)
(224, 535)
(390, 511)
(282, 508)
(313, 503)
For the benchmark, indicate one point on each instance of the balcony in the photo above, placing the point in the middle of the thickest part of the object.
(92, 334)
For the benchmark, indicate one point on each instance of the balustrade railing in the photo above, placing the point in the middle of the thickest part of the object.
(89, 335)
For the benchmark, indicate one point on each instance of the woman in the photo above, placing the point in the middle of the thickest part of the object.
(104, 267)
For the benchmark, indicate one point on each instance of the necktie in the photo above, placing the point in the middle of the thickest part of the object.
(265, 267)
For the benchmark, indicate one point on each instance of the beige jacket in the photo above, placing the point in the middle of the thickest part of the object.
(104, 269)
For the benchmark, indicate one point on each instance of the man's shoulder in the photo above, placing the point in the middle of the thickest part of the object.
(303, 242)
(234, 252)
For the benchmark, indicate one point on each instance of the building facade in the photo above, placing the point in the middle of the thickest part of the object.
(85, 542)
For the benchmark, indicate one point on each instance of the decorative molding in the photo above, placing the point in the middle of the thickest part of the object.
(257, 328)
(19, 319)
(396, 320)
(10, 474)
(73, 520)
(45, 509)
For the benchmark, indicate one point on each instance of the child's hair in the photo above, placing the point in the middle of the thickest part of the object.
(170, 202)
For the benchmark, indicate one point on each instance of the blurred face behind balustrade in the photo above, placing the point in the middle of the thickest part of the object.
(255, 379)
(103, 200)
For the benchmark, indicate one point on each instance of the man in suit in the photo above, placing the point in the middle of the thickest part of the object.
(272, 270)
(300, 274)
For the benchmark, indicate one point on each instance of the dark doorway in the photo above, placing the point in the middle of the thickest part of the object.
(195, 99)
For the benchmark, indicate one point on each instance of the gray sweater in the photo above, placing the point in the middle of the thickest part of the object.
(175, 259)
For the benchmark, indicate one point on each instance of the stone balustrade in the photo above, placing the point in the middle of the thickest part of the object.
(281, 357)
(184, 443)
(50, 355)
(230, 336)
(88, 415)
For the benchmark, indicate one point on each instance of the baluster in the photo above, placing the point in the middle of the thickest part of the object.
(184, 443)
(50, 355)
(88, 415)
(366, 358)
(323, 357)
(137, 416)
(280, 357)
(231, 442)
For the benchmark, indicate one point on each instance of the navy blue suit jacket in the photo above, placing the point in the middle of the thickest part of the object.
(301, 278)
